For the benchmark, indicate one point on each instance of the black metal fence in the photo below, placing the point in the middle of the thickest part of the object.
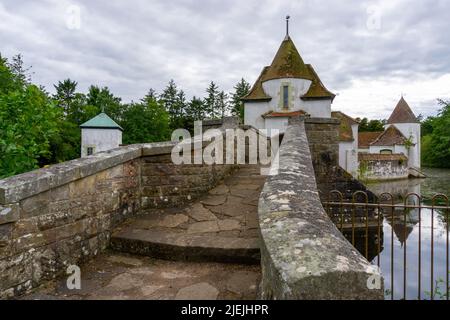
(369, 226)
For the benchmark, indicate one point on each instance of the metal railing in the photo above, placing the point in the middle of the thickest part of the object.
(368, 225)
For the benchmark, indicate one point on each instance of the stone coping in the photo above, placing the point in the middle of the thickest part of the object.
(322, 120)
(16, 188)
(303, 254)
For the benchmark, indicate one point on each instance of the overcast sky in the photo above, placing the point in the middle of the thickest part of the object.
(368, 52)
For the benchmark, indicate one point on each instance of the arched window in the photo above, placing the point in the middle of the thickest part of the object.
(386, 151)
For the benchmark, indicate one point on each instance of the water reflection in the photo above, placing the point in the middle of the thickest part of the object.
(413, 247)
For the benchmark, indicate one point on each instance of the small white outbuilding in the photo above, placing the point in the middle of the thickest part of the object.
(101, 133)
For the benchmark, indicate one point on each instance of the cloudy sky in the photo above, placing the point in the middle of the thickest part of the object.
(368, 52)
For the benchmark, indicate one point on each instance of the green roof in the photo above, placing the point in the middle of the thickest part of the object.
(101, 121)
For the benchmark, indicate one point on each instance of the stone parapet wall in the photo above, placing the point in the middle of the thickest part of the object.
(304, 256)
(323, 140)
(166, 185)
(64, 214)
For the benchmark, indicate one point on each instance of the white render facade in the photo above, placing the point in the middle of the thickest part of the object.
(99, 134)
(99, 140)
(254, 111)
(348, 153)
(412, 131)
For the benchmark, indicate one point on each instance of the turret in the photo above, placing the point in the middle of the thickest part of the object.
(406, 122)
(101, 133)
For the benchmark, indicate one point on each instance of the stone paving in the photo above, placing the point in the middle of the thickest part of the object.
(113, 276)
(221, 226)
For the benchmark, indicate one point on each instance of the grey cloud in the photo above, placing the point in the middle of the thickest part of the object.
(131, 46)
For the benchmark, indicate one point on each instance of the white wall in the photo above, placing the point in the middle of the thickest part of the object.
(100, 139)
(298, 87)
(253, 111)
(412, 130)
(277, 123)
(386, 170)
(317, 108)
(348, 157)
(348, 153)
(397, 149)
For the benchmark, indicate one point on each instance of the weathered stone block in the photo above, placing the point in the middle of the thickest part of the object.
(35, 205)
(9, 213)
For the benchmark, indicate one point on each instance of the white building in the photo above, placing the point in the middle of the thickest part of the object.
(395, 152)
(348, 142)
(101, 133)
(286, 88)
(406, 122)
(289, 87)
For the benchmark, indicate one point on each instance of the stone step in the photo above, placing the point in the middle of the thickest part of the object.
(172, 245)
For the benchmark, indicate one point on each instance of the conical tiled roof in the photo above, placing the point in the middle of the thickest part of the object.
(287, 63)
(257, 92)
(102, 121)
(402, 114)
(317, 90)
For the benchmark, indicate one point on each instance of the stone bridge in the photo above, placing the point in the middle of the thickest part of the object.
(142, 227)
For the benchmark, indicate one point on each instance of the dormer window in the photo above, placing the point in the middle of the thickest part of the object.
(285, 97)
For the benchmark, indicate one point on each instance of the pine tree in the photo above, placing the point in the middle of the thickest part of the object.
(150, 96)
(211, 101)
(174, 102)
(242, 88)
(222, 104)
(65, 94)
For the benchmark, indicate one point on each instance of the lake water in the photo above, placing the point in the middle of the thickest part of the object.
(401, 232)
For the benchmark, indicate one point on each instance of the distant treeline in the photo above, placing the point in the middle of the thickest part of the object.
(37, 128)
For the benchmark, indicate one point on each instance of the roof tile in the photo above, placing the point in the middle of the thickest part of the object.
(402, 114)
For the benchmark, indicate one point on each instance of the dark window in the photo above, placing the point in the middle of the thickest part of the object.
(90, 151)
(286, 97)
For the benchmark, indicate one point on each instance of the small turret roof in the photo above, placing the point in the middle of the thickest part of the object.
(102, 121)
(287, 63)
(402, 114)
(317, 90)
(257, 92)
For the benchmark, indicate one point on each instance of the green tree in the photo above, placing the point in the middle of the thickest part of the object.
(366, 125)
(241, 89)
(145, 122)
(8, 81)
(375, 125)
(195, 109)
(65, 94)
(20, 72)
(222, 104)
(436, 145)
(174, 102)
(103, 99)
(211, 101)
(28, 121)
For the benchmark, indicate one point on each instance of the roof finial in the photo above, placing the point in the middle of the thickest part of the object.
(287, 25)
(103, 108)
